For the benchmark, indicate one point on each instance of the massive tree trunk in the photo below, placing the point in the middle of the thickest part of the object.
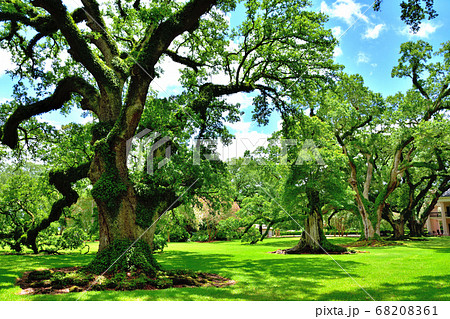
(114, 194)
(398, 225)
(415, 228)
(313, 239)
(123, 214)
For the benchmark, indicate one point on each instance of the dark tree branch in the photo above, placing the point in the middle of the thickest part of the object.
(155, 43)
(44, 25)
(62, 94)
(186, 19)
(417, 84)
(63, 181)
(79, 48)
(183, 60)
(354, 128)
(96, 23)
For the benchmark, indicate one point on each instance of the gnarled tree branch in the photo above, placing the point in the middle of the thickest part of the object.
(62, 94)
(63, 181)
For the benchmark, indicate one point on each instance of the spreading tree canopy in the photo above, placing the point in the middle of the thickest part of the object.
(103, 60)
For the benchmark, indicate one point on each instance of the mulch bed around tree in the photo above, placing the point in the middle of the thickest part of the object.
(43, 281)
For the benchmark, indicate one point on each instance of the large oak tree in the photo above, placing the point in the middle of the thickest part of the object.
(280, 50)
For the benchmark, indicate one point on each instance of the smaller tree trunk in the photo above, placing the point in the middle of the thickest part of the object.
(398, 225)
(368, 229)
(267, 231)
(399, 229)
(415, 228)
(313, 239)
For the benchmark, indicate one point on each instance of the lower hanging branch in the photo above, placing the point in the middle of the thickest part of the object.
(63, 181)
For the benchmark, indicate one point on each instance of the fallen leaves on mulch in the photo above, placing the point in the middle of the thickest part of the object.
(34, 286)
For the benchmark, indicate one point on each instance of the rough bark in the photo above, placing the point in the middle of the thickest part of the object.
(371, 217)
(416, 228)
(398, 225)
(368, 229)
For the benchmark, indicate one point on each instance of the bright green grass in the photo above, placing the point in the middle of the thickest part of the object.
(415, 271)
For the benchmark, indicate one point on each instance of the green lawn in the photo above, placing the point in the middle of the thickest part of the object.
(415, 271)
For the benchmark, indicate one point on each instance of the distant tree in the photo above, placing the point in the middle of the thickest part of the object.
(25, 199)
(423, 182)
(379, 139)
(315, 180)
(71, 149)
(259, 181)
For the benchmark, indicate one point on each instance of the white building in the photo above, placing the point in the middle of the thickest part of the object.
(438, 223)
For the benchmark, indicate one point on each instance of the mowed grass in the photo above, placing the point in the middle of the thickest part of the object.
(415, 271)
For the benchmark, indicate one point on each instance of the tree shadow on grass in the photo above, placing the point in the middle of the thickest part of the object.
(438, 244)
(278, 278)
(279, 243)
(423, 288)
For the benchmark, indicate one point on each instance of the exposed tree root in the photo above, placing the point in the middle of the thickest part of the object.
(76, 279)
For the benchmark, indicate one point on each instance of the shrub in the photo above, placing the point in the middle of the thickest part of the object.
(228, 229)
(291, 233)
(251, 236)
(159, 242)
(40, 275)
(164, 282)
(61, 279)
(178, 234)
(71, 238)
(201, 235)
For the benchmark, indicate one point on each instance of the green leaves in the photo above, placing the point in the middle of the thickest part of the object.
(413, 11)
(414, 56)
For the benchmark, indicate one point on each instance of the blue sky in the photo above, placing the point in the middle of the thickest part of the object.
(369, 45)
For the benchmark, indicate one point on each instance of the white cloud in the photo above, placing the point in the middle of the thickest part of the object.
(280, 125)
(374, 32)
(425, 30)
(347, 10)
(337, 52)
(362, 58)
(73, 4)
(4, 100)
(241, 126)
(168, 81)
(337, 31)
(242, 98)
(63, 55)
(86, 119)
(5, 61)
(55, 124)
(244, 141)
